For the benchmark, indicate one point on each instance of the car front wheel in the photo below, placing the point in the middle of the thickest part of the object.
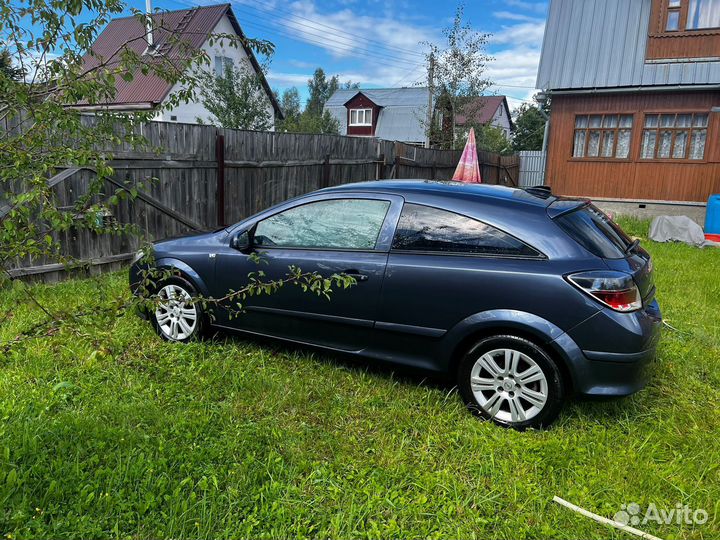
(176, 316)
(511, 381)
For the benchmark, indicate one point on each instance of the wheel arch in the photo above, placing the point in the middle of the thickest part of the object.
(523, 325)
(186, 272)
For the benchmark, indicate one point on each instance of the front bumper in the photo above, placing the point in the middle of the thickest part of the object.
(620, 365)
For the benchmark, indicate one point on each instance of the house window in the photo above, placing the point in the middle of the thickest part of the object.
(673, 16)
(221, 63)
(674, 136)
(602, 136)
(703, 14)
(360, 117)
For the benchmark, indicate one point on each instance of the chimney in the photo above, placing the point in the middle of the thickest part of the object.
(149, 25)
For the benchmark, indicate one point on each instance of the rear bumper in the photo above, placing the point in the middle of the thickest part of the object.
(608, 373)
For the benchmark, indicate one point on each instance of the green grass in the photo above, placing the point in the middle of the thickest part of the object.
(111, 432)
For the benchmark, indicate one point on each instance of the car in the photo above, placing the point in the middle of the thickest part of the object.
(523, 298)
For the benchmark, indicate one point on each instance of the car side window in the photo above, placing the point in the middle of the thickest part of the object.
(424, 228)
(329, 224)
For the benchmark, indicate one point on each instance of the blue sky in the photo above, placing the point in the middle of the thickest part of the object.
(376, 42)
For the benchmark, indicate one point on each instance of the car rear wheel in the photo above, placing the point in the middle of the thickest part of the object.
(511, 381)
(176, 316)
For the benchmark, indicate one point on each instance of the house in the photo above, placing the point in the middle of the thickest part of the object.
(395, 114)
(174, 32)
(400, 114)
(634, 88)
(487, 111)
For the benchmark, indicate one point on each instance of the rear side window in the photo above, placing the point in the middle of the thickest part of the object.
(596, 232)
(423, 228)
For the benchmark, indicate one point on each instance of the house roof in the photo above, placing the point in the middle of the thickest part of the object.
(598, 44)
(383, 97)
(173, 33)
(402, 114)
(481, 110)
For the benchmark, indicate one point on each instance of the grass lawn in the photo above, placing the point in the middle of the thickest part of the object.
(110, 432)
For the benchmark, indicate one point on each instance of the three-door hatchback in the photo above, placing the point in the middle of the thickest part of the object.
(523, 298)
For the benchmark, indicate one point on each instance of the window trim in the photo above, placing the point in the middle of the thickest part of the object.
(365, 110)
(616, 129)
(389, 220)
(539, 255)
(685, 160)
(660, 26)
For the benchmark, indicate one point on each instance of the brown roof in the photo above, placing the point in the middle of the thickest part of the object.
(481, 110)
(173, 33)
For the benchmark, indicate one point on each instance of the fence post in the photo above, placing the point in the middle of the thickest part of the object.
(220, 194)
(325, 181)
(380, 167)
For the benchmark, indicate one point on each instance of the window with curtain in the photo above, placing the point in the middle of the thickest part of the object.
(602, 136)
(703, 14)
(674, 136)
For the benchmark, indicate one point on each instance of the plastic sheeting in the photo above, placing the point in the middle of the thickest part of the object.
(678, 229)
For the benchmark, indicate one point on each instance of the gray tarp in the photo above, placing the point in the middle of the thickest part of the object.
(678, 229)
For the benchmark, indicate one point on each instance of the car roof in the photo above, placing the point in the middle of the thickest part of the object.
(455, 190)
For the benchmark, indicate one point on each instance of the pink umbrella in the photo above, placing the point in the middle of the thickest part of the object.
(468, 169)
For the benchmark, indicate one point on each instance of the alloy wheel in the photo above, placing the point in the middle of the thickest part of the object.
(176, 315)
(509, 385)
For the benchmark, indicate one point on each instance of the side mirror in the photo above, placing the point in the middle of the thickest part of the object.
(242, 242)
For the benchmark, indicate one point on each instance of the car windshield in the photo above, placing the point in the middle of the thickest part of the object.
(595, 231)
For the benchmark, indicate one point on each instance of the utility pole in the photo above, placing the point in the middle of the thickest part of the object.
(431, 91)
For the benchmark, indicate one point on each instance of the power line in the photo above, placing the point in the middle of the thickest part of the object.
(346, 49)
(334, 29)
(334, 40)
(350, 51)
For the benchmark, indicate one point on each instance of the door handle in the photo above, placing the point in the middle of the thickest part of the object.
(357, 275)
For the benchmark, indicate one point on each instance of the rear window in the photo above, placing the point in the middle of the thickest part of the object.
(596, 232)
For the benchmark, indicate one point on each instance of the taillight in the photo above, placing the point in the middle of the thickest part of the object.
(616, 290)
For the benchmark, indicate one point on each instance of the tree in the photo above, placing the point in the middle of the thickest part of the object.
(320, 90)
(458, 76)
(42, 131)
(492, 139)
(236, 98)
(290, 105)
(8, 69)
(529, 126)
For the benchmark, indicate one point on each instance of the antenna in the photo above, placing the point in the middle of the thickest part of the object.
(149, 25)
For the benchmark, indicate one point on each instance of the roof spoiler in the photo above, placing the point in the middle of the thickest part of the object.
(564, 206)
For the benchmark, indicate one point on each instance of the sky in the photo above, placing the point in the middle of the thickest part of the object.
(377, 43)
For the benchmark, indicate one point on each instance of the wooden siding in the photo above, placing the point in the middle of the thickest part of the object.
(663, 45)
(362, 102)
(632, 178)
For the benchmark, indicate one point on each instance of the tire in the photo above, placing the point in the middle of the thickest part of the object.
(511, 381)
(178, 321)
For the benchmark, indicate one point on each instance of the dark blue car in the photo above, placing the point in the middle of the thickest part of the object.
(524, 298)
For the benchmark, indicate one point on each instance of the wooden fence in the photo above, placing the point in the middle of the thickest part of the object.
(205, 177)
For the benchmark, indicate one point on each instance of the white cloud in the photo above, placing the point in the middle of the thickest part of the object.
(348, 31)
(527, 33)
(536, 7)
(512, 16)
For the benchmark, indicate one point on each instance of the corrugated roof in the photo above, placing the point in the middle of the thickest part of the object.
(402, 117)
(173, 33)
(601, 44)
(384, 97)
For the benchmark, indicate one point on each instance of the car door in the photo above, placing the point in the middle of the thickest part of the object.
(330, 234)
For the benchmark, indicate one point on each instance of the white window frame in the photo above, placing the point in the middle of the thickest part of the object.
(220, 63)
(366, 114)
